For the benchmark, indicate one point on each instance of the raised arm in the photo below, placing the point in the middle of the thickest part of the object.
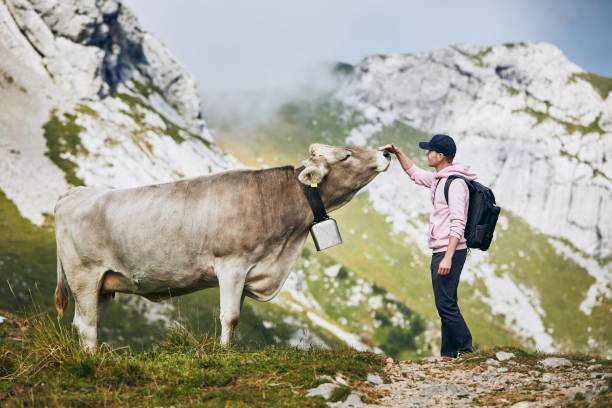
(417, 174)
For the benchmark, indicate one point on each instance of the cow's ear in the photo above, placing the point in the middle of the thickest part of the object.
(314, 171)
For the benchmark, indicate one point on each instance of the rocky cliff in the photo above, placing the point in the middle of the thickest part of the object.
(535, 127)
(90, 98)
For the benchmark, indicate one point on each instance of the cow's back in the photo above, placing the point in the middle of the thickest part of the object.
(176, 231)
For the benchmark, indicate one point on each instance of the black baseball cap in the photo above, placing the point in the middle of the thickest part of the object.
(442, 144)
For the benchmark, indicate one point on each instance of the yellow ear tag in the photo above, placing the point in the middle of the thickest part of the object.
(313, 184)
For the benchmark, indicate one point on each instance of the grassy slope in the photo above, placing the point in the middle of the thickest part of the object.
(41, 365)
(375, 322)
(561, 283)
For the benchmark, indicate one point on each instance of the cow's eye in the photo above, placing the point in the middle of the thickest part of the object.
(346, 157)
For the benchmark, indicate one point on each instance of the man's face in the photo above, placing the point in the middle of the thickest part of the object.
(434, 158)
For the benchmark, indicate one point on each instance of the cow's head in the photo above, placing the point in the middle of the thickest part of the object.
(341, 171)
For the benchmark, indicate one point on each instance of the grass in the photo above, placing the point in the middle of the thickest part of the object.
(561, 284)
(7, 80)
(478, 57)
(570, 128)
(602, 84)
(42, 365)
(63, 138)
(138, 103)
(27, 258)
(376, 324)
(574, 157)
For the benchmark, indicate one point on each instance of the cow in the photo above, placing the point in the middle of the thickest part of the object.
(241, 230)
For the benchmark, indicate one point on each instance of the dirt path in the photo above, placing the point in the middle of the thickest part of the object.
(485, 380)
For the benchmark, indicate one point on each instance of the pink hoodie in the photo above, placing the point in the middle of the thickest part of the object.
(445, 219)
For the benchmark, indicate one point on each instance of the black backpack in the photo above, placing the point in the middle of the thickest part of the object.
(482, 213)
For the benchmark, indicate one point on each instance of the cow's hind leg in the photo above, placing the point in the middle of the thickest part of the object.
(231, 285)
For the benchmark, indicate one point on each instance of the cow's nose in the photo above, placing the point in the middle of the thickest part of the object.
(387, 154)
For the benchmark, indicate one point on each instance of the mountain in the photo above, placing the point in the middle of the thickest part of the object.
(89, 98)
(534, 126)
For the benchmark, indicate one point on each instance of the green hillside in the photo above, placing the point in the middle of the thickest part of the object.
(42, 365)
(519, 252)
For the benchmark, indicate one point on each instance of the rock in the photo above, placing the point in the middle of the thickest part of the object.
(374, 379)
(594, 367)
(596, 375)
(352, 401)
(546, 378)
(340, 380)
(435, 89)
(73, 54)
(323, 390)
(504, 356)
(443, 389)
(498, 386)
(522, 404)
(502, 369)
(555, 362)
(490, 361)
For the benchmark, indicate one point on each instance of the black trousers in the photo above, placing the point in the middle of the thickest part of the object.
(456, 336)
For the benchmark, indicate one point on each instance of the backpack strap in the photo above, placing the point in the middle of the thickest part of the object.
(447, 184)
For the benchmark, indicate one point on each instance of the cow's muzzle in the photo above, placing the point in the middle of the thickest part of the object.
(383, 160)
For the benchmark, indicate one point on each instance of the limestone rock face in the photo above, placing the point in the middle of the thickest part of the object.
(533, 126)
(91, 47)
(531, 122)
(91, 98)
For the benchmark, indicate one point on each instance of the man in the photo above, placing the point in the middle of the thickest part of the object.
(446, 238)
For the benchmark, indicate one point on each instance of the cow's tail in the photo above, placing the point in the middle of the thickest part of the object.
(61, 291)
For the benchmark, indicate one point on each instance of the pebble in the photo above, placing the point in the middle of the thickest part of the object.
(374, 379)
(504, 356)
(594, 367)
(546, 378)
(323, 390)
(340, 380)
(490, 361)
(555, 362)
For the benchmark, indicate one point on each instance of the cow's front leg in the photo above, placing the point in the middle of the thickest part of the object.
(231, 286)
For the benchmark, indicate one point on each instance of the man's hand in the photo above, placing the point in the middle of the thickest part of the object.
(405, 162)
(389, 147)
(445, 266)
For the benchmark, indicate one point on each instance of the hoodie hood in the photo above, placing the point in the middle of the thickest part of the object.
(459, 169)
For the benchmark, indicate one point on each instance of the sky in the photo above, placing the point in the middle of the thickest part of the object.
(233, 46)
